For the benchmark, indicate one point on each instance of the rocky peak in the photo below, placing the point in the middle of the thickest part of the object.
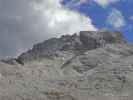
(101, 37)
(76, 43)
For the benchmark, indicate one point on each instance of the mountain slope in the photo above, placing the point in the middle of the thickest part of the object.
(77, 43)
(85, 66)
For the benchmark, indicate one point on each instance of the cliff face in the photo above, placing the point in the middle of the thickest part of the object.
(85, 66)
(85, 40)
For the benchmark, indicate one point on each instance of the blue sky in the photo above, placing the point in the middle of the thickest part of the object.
(109, 14)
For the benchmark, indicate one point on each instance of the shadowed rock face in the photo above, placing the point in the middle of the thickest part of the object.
(93, 40)
(85, 66)
(86, 40)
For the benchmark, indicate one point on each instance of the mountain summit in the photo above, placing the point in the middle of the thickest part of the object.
(77, 43)
(90, 65)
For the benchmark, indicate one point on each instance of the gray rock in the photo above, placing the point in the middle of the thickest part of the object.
(10, 61)
(86, 40)
(88, 66)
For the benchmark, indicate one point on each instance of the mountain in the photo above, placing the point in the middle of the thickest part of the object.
(90, 65)
(75, 44)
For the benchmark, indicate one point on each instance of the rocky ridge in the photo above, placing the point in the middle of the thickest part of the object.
(86, 66)
(77, 43)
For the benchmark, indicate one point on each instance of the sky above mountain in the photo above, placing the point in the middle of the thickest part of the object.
(108, 14)
(26, 22)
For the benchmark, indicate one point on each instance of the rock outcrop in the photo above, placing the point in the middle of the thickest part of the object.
(77, 43)
(85, 66)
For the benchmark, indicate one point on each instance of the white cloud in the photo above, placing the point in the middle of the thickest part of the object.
(102, 3)
(131, 18)
(62, 20)
(105, 3)
(116, 19)
(75, 3)
(26, 22)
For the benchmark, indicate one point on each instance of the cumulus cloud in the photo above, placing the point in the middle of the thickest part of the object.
(102, 3)
(116, 19)
(76, 2)
(105, 3)
(26, 22)
(131, 18)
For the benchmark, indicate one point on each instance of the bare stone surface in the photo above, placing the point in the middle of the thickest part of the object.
(84, 66)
